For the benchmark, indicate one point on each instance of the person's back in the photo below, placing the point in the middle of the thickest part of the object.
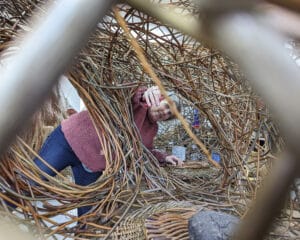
(83, 137)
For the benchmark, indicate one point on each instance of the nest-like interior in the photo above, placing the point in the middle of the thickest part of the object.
(234, 123)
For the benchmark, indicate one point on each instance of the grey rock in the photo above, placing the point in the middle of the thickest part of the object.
(211, 225)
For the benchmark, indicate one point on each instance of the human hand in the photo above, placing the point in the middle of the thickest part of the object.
(171, 159)
(152, 96)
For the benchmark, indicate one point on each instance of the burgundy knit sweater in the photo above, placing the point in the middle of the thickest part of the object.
(80, 133)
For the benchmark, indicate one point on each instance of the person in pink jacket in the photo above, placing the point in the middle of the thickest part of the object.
(76, 143)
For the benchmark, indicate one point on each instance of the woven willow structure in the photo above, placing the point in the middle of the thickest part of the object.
(132, 196)
(167, 219)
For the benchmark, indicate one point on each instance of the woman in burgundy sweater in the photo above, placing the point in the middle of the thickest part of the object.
(75, 142)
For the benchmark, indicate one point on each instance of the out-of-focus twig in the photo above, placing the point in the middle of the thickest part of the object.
(46, 40)
(292, 5)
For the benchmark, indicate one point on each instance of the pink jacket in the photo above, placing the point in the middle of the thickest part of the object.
(80, 133)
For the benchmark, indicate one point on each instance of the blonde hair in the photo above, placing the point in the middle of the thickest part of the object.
(175, 99)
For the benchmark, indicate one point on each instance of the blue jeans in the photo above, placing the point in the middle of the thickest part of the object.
(57, 152)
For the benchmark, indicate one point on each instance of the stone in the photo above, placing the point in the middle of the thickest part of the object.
(211, 225)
